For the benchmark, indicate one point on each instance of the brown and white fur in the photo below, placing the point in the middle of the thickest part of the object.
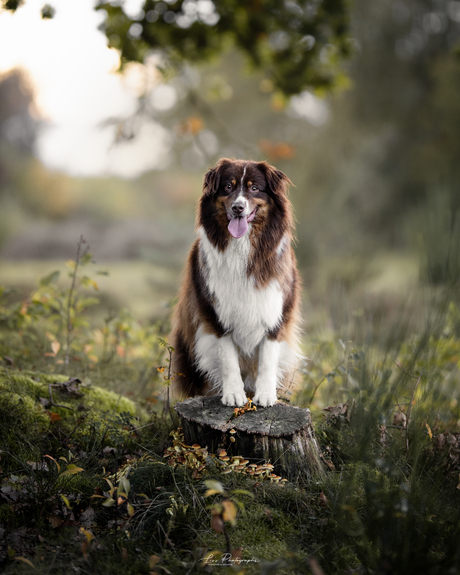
(235, 326)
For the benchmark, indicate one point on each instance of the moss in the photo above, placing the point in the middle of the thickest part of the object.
(28, 430)
(107, 401)
(23, 390)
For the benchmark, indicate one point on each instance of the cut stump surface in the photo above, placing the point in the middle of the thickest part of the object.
(282, 434)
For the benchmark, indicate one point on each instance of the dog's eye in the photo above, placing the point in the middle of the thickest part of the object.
(254, 189)
(228, 186)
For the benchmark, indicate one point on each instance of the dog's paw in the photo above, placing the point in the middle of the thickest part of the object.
(234, 399)
(265, 399)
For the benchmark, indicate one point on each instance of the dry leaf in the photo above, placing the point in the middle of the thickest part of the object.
(217, 524)
(230, 511)
(55, 521)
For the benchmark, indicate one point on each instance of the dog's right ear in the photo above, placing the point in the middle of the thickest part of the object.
(211, 181)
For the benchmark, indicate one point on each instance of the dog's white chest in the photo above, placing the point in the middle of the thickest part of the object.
(244, 310)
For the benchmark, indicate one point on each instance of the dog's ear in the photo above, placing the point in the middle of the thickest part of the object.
(211, 181)
(212, 178)
(277, 181)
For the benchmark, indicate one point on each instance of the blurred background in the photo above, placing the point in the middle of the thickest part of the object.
(118, 157)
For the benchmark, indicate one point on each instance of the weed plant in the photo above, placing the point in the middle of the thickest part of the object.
(85, 487)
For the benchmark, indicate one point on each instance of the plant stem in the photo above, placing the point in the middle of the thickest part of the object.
(70, 302)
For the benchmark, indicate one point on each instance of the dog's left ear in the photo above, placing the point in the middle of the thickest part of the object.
(277, 181)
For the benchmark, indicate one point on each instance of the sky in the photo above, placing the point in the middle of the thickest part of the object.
(77, 88)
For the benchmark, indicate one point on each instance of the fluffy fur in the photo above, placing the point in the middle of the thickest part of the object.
(235, 325)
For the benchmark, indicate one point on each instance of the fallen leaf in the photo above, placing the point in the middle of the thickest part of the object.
(45, 402)
(55, 521)
(24, 560)
(89, 536)
(66, 501)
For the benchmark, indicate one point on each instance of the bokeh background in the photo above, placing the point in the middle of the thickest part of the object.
(118, 157)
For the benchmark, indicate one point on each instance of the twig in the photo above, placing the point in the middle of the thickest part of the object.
(409, 409)
(228, 544)
(167, 403)
(324, 377)
(52, 400)
(405, 370)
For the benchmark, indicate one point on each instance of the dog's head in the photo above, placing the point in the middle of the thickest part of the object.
(237, 193)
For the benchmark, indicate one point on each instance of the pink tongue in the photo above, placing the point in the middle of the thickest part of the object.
(238, 227)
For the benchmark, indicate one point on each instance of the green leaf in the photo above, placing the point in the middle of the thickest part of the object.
(50, 278)
(86, 302)
(124, 485)
(242, 492)
(66, 501)
(71, 470)
(86, 259)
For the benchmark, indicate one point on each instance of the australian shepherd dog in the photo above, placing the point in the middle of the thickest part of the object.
(235, 327)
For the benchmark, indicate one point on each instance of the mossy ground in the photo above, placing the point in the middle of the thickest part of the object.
(384, 511)
(84, 486)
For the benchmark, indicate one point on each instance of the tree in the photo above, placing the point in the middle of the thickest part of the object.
(298, 43)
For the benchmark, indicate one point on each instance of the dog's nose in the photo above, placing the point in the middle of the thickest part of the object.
(237, 209)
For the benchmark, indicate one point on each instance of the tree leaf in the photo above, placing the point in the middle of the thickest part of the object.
(230, 511)
(66, 501)
(124, 485)
(89, 536)
(55, 346)
(50, 278)
(242, 492)
(217, 524)
(71, 470)
(214, 486)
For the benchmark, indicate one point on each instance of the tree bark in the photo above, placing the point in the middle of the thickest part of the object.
(282, 434)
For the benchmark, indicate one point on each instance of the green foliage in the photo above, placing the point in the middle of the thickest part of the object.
(52, 330)
(108, 491)
(298, 44)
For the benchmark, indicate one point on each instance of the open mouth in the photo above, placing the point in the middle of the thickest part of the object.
(238, 225)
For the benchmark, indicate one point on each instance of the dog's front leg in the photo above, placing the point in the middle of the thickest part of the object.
(232, 384)
(218, 358)
(267, 374)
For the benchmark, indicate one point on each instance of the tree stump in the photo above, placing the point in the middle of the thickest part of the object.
(281, 434)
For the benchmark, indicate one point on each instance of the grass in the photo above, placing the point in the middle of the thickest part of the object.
(84, 486)
(144, 287)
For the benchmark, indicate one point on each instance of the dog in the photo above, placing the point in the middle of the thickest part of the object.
(235, 328)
